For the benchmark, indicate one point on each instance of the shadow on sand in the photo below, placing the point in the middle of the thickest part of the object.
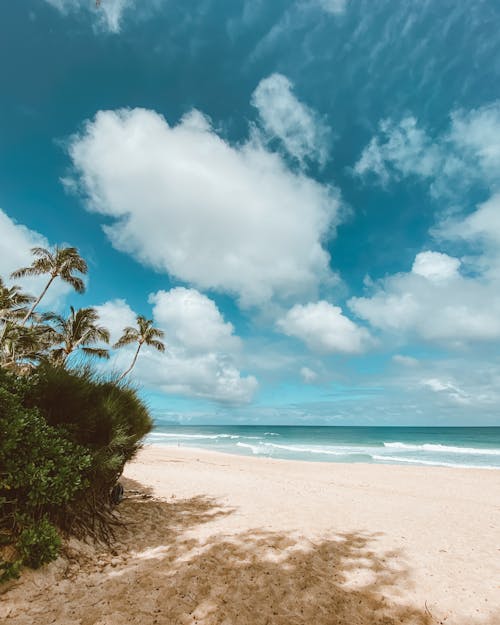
(159, 572)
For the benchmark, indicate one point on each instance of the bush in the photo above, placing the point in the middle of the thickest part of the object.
(106, 418)
(41, 472)
(65, 437)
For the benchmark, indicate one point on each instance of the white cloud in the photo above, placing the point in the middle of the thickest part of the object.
(197, 362)
(324, 328)
(467, 153)
(443, 299)
(434, 302)
(401, 149)
(193, 321)
(184, 201)
(283, 116)
(435, 266)
(16, 242)
(116, 315)
(208, 376)
(336, 7)
(455, 393)
(108, 15)
(483, 225)
(308, 375)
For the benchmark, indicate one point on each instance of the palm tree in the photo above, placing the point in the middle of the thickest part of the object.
(12, 305)
(79, 331)
(22, 346)
(144, 334)
(62, 262)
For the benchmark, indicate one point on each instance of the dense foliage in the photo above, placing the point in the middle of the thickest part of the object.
(65, 437)
(65, 433)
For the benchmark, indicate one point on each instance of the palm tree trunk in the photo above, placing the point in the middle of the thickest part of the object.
(37, 301)
(132, 365)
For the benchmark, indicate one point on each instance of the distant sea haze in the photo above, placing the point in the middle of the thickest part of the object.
(469, 447)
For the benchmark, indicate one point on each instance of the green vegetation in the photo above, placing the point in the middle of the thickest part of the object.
(65, 432)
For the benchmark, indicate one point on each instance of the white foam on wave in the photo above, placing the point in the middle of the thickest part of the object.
(431, 463)
(265, 448)
(443, 449)
(308, 450)
(255, 450)
(191, 436)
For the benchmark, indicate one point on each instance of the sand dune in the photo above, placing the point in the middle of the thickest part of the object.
(213, 539)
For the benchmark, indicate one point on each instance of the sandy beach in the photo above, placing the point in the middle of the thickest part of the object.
(219, 539)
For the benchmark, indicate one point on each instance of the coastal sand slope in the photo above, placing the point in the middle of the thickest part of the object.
(217, 539)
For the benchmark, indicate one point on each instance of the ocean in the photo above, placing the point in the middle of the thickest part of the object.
(466, 447)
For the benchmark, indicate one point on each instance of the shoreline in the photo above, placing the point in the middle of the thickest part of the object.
(258, 457)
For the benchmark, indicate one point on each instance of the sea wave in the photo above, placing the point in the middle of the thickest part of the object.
(265, 448)
(431, 463)
(255, 449)
(309, 450)
(191, 436)
(443, 449)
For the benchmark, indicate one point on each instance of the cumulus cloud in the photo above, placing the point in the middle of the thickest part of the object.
(435, 266)
(193, 321)
(303, 135)
(482, 227)
(184, 201)
(467, 153)
(116, 315)
(325, 329)
(199, 359)
(443, 299)
(433, 301)
(108, 15)
(16, 242)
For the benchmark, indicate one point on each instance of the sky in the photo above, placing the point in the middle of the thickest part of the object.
(304, 196)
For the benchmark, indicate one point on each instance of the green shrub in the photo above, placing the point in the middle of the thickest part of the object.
(41, 474)
(65, 437)
(106, 418)
(93, 411)
(38, 544)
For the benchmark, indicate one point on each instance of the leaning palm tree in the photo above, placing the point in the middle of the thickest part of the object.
(62, 263)
(79, 331)
(144, 334)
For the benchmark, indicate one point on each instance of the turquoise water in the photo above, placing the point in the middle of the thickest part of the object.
(473, 447)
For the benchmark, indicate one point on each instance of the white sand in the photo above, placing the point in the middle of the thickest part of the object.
(232, 540)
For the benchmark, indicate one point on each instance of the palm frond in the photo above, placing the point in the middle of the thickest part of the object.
(98, 352)
(157, 345)
(127, 339)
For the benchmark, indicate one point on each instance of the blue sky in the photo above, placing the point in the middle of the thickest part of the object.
(303, 195)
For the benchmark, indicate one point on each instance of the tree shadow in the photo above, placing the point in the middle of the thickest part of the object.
(160, 572)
